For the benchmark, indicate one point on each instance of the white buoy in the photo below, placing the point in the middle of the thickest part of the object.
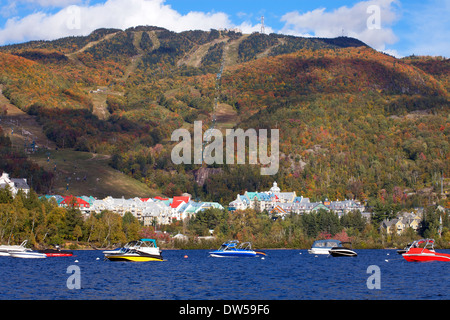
(97, 258)
(76, 260)
(386, 260)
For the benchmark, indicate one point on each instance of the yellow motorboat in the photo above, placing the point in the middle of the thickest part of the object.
(141, 250)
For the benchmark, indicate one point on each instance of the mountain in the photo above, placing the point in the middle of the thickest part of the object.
(353, 122)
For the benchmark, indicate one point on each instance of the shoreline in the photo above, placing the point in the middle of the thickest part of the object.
(175, 249)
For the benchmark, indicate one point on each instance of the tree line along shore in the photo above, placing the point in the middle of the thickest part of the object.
(43, 224)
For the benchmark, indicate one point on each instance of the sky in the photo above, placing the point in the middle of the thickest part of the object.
(398, 27)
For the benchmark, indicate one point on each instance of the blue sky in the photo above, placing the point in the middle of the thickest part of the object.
(398, 27)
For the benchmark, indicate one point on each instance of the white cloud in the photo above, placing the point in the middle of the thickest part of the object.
(122, 14)
(8, 9)
(368, 21)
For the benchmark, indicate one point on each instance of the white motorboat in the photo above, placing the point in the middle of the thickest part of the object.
(323, 246)
(27, 254)
(5, 249)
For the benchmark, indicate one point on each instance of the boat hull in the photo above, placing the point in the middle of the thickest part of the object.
(343, 253)
(59, 254)
(56, 253)
(236, 254)
(28, 255)
(137, 258)
(319, 251)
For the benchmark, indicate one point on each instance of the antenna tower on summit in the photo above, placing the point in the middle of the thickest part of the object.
(263, 28)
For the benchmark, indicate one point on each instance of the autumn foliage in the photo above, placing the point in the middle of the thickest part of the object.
(354, 122)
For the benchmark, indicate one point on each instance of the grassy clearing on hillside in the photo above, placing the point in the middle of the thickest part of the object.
(226, 116)
(84, 173)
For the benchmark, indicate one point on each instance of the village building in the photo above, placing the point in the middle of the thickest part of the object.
(402, 223)
(14, 184)
(120, 206)
(149, 211)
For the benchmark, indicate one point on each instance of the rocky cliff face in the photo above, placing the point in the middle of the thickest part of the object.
(202, 174)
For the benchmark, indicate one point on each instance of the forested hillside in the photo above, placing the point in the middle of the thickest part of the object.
(354, 122)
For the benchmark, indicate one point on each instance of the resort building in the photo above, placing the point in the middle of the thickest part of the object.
(14, 184)
(280, 203)
(262, 200)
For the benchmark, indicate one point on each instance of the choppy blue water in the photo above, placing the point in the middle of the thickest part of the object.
(282, 275)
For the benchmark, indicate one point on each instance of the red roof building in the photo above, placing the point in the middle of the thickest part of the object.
(186, 199)
(161, 198)
(75, 202)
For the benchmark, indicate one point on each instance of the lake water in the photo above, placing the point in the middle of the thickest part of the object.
(281, 275)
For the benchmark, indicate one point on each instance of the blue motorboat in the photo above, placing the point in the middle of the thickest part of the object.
(233, 249)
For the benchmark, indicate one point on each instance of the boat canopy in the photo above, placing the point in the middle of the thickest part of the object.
(329, 243)
(425, 240)
(150, 242)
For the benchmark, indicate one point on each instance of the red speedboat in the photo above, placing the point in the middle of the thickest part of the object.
(423, 250)
(57, 252)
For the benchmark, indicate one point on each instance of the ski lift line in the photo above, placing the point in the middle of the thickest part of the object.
(208, 132)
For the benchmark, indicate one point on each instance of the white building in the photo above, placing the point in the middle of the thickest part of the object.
(14, 184)
(156, 212)
(151, 211)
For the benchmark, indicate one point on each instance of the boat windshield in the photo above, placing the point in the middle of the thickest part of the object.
(229, 245)
(131, 244)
